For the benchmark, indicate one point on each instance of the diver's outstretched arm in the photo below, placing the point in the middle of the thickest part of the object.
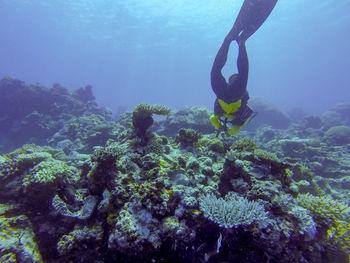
(218, 81)
(242, 64)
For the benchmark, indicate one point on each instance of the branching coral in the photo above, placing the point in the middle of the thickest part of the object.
(332, 214)
(232, 211)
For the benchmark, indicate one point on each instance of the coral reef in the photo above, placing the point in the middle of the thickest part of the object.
(337, 116)
(130, 191)
(268, 114)
(17, 240)
(187, 137)
(338, 135)
(189, 117)
(34, 113)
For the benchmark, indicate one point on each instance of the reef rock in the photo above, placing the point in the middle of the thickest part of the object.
(338, 135)
(34, 113)
(196, 118)
(268, 114)
(337, 116)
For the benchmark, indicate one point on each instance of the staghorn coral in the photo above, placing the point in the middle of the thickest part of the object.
(332, 214)
(232, 211)
(325, 209)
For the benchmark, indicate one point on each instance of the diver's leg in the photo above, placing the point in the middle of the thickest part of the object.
(242, 64)
(218, 82)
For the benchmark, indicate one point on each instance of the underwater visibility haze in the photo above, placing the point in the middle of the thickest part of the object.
(111, 149)
(161, 51)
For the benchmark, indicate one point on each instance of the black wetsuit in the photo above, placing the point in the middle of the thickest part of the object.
(230, 92)
(232, 97)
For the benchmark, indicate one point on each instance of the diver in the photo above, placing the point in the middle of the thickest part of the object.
(230, 107)
(231, 111)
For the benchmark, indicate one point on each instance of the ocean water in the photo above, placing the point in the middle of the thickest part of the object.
(161, 51)
(117, 190)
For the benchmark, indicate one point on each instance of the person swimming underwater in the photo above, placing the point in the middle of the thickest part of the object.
(230, 107)
(231, 111)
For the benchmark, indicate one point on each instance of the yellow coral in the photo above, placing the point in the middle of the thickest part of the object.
(324, 207)
(339, 234)
(330, 213)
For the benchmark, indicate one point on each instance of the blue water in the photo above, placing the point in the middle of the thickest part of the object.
(161, 51)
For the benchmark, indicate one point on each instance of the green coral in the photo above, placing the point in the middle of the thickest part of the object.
(187, 137)
(325, 209)
(111, 152)
(265, 156)
(142, 118)
(332, 214)
(144, 110)
(29, 159)
(216, 145)
(79, 235)
(9, 258)
(244, 145)
(304, 170)
(340, 235)
(17, 237)
(47, 172)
